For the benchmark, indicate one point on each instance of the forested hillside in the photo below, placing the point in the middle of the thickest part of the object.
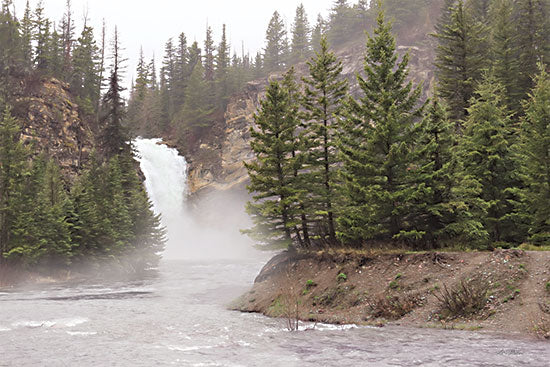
(464, 169)
(70, 192)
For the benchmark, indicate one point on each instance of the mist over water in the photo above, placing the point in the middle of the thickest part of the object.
(207, 230)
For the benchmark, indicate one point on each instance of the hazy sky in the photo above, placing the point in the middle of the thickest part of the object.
(149, 23)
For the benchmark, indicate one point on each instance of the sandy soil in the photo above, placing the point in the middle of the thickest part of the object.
(511, 289)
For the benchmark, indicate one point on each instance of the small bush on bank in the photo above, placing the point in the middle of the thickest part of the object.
(467, 298)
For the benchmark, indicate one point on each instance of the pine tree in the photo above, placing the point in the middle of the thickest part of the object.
(208, 58)
(13, 165)
(197, 107)
(486, 155)
(27, 31)
(272, 173)
(299, 186)
(11, 57)
(340, 22)
(375, 145)
(300, 47)
(318, 32)
(113, 136)
(322, 102)
(85, 81)
(222, 70)
(533, 40)
(536, 149)
(503, 51)
(459, 60)
(432, 177)
(276, 45)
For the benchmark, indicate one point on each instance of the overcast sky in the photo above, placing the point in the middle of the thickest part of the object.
(150, 23)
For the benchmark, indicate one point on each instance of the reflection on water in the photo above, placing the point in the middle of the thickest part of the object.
(180, 319)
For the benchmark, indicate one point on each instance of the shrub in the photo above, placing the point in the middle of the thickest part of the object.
(467, 298)
(393, 307)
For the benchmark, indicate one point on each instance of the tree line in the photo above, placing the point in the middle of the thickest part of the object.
(48, 219)
(189, 93)
(467, 168)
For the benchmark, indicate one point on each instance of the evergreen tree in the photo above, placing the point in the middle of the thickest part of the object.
(432, 176)
(375, 145)
(300, 188)
(503, 51)
(324, 91)
(486, 155)
(196, 108)
(209, 55)
(340, 22)
(318, 32)
(113, 135)
(272, 173)
(222, 69)
(85, 81)
(300, 47)
(459, 60)
(13, 166)
(11, 58)
(533, 40)
(536, 149)
(276, 44)
(27, 31)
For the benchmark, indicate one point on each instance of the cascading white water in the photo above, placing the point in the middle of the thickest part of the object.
(166, 183)
(212, 233)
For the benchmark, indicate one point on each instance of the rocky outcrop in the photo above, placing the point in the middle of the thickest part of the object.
(51, 122)
(219, 165)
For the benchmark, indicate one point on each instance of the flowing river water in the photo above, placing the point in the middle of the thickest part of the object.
(180, 317)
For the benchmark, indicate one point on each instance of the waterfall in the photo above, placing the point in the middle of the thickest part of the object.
(166, 183)
(209, 232)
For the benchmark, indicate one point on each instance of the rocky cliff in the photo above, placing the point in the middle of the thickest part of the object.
(52, 123)
(218, 164)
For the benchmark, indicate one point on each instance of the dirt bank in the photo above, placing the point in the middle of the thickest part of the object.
(507, 290)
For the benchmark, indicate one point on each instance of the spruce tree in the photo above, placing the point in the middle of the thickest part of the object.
(208, 58)
(13, 167)
(85, 75)
(114, 138)
(485, 152)
(300, 47)
(375, 143)
(536, 149)
(300, 185)
(533, 40)
(273, 172)
(222, 69)
(27, 31)
(340, 22)
(432, 179)
(504, 51)
(459, 59)
(318, 32)
(276, 45)
(324, 92)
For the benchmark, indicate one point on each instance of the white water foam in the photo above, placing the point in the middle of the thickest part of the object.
(82, 333)
(59, 323)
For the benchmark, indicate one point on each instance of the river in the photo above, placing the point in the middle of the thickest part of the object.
(179, 318)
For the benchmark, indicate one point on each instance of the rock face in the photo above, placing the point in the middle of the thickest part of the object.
(219, 165)
(52, 124)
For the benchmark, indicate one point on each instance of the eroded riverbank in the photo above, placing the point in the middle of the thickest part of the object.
(501, 291)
